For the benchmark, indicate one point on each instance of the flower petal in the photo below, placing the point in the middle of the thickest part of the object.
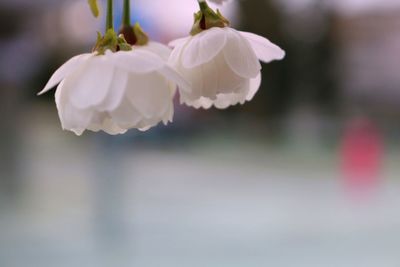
(228, 81)
(137, 61)
(195, 77)
(202, 102)
(245, 92)
(264, 49)
(91, 87)
(65, 70)
(71, 118)
(149, 94)
(203, 47)
(169, 116)
(117, 92)
(210, 79)
(254, 86)
(103, 122)
(179, 42)
(175, 57)
(125, 115)
(173, 76)
(157, 48)
(240, 55)
(224, 101)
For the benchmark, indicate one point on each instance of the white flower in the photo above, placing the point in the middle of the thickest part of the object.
(115, 92)
(222, 65)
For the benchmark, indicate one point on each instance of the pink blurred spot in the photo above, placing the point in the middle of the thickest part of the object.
(361, 156)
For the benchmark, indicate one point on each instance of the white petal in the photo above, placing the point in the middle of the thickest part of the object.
(240, 55)
(175, 57)
(103, 122)
(65, 70)
(126, 115)
(116, 92)
(224, 101)
(202, 102)
(157, 48)
(149, 94)
(254, 86)
(196, 80)
(264, 49)
(203, 47)
(173, 76)
(138, 61)
(91, 87)
(169, 116)
(228, 81)
(179, 42)
(147, 124)
(71, 118)
(210, 79)
(111, 128)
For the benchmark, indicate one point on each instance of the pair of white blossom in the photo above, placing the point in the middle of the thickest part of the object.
(117, 91)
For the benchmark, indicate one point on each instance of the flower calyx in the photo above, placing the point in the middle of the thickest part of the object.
(207, 18)
(134, 35)
(111, 41)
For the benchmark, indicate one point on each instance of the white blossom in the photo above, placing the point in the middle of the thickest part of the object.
(117, 91)
(222, 66)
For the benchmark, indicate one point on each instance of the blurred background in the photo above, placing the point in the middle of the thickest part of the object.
(307, 174)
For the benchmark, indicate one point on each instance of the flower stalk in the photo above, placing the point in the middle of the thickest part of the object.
(127, 13)
(110, 40)
(203, 5)
(110, 17)
(133, 34)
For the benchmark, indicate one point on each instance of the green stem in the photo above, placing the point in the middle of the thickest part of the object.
(110, 18)
(127, 13)
(203, 5)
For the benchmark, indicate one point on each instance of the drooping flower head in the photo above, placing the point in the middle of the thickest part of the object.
(116, 87)
(221, 64)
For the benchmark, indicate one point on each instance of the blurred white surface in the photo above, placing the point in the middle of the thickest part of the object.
(95, 202)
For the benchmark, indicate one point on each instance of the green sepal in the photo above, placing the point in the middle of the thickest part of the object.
(141, 36)
(207, 18)
(123, 45)
(134, 35)
(94, 7)
(110, 41)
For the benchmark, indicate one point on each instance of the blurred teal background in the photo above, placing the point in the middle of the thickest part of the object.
(307, 174)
